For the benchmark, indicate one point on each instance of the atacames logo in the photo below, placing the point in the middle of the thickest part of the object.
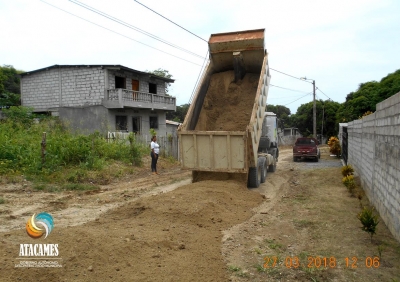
(44, 220)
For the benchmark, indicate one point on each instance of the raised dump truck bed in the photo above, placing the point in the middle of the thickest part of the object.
(233, 151)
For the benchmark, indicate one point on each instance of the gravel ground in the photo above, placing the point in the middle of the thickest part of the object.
(311, 164)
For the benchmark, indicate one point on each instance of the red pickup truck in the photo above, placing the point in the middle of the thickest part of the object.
(306, 147)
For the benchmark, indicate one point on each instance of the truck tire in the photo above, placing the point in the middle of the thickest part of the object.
(262, 166)
(272, 167)
(253, 180)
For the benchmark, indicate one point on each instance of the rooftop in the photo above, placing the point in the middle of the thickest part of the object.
(115, 67)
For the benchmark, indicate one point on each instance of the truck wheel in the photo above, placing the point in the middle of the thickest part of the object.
(262, 166)
(254, 180)
(272, 167)
(316, 159)
(294, 159)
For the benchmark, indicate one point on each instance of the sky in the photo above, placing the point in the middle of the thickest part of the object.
(339, 44)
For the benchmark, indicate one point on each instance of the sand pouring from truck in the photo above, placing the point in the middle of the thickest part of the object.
(226, 129)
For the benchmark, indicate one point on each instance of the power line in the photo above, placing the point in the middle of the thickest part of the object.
(170, 21)
(323, 93)
(288, 89)
(285, 97)
(298, 99)
(289, 75)
(134, 28)
(119, 33)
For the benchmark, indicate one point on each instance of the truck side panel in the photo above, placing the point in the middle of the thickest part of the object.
(257, 118)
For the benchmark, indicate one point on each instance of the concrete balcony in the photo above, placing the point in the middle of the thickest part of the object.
(122, 98)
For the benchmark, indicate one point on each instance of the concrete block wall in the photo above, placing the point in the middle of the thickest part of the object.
(41, 90)
(374, 152)
(81, 86)
(63, 87)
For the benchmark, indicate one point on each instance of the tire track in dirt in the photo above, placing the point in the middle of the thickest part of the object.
(241, 238)
(72, 208)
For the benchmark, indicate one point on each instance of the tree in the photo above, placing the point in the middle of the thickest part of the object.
(367, 96)
(179, 114)
(282, 113)
(162, 73)
(10, 92)
(326, 115)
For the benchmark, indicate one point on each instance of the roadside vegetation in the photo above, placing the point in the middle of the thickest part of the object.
(62, 158)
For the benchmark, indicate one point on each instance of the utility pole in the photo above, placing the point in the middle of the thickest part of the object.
(314, 107)
(314, 112)
(323, 113)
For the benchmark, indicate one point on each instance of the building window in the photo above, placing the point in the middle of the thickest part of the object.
(121, 123)
(152, 88)
(120, 82)
(154, 122)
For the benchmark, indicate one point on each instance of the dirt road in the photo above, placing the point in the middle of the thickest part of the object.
(147, 229)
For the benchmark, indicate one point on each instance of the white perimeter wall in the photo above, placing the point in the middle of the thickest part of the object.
(374, 152)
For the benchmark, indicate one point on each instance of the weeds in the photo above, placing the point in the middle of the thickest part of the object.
(69, 157)
(381, 248)
(2, 201)
(303, 223)
(79, 187)
(272, 244)
(260, 268)
(233, 268)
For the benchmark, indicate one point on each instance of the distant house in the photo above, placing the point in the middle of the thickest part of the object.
(172, 127)
(288, 136)
(99, 97)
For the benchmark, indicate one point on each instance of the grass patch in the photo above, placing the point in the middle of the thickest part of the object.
(260, 268)
(47, 187)
(79, 187)
(272, 244)
(303, 256)
(2, 201)
(300, 224)
(234, 268)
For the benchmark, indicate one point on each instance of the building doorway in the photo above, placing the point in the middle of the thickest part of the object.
(135, 89)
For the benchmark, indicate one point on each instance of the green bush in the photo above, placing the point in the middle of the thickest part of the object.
(349, 182)
(368, 220)
(347, 170)
(22, 115)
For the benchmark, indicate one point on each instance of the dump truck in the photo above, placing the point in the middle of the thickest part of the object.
(226, 129)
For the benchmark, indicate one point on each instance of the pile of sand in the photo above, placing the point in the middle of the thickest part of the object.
(228, 105)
